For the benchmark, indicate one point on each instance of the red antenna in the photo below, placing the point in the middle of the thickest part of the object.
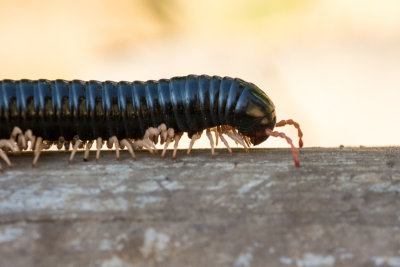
(295, 153)
(295, 124)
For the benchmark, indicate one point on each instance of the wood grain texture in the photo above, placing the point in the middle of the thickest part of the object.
(341, 208)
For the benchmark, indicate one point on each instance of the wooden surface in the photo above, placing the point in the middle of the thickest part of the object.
(341, 208)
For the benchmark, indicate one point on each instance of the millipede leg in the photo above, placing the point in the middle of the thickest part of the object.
(149, 145)
(38, 149)
(208, 133)
(170, 136)
(246, 139)
(109, 144)
(177, 137)
(192, 140)
(121, 146)
(9, 145)
(155, 137)
(18, 137)
(30, 137)
(296, 125)
(245, 144)
(22, 142)
(60, 142)
(216, 135)
(47, 144)
(16, 131)
(143, 143)
(152, 135)
(165, 147)
(4, 157)
(237, 138)
(114, 140)
(224, 141)
(74, 149)
(284, 136)
(99, 144)
(87, 149)
(128, 145)
(163, 132)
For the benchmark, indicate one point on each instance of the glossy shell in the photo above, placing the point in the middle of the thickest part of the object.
(92, 109)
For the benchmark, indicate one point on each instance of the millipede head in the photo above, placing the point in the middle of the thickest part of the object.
(255, 114)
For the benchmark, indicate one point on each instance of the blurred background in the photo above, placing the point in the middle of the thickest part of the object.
(332, 65)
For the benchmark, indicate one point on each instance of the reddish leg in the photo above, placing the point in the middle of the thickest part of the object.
(282, 135)
(295, 124)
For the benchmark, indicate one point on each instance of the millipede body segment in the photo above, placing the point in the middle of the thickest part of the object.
(62, 112)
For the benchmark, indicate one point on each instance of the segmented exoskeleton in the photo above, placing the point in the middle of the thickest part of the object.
(133, 114)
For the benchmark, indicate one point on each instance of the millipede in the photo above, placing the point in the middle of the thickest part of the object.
(37, 114)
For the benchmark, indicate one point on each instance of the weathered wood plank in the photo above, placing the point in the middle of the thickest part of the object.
(251, 209)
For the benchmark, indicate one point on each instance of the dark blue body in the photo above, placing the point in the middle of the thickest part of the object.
(126, 109)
